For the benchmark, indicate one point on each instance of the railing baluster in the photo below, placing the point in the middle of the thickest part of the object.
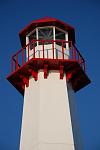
(80, 59)
(43, 47)
(16, 61)
(33, 49)
(70, 50)
(28, 52)
(62, 50)
(53, 48)
(22, 56)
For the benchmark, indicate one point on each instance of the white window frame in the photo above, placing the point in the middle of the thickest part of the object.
(54, 33)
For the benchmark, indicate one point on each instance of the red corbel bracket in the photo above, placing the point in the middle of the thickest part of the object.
(68, 76)
(34, 74)
(23, 86)
(25, 81)
(61, 72)
(45, 71)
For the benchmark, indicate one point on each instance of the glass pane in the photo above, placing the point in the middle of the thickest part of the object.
(32, 37)
(59, 35)
(45, 34)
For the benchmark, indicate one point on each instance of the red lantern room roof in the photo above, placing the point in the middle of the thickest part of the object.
(46, 21)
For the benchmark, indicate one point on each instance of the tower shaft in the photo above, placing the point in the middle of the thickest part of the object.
(46, 123)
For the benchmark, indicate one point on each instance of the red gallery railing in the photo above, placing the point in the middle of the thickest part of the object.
(23, 55)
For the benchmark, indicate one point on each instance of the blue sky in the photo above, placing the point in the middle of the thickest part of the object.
(84, 15)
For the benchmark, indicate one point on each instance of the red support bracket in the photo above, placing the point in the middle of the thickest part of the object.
(34, 74)
(23, 86)
(25, 81)
(61, 72)
(45, 71)
(68, 76)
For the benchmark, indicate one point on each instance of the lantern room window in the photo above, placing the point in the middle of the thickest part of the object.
(45, 34)
(59, 35)
(32, 36)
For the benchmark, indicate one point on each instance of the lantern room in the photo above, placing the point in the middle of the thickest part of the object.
(43, 33)
(48, 44)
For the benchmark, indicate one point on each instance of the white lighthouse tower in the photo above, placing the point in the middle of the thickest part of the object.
(47, 71)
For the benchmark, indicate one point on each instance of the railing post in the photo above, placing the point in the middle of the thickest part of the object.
(74, 53)
(28, 52)
(80, 59)
(62, 49)
(16, 61)
(70, 49)
(53, 48)
(43, 47)
(22, 56)
(33, 49)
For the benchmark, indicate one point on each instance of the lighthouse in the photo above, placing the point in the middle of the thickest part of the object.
(48, 70)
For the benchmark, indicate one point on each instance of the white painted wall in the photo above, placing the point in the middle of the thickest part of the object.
(75, 120)
(46, 123)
